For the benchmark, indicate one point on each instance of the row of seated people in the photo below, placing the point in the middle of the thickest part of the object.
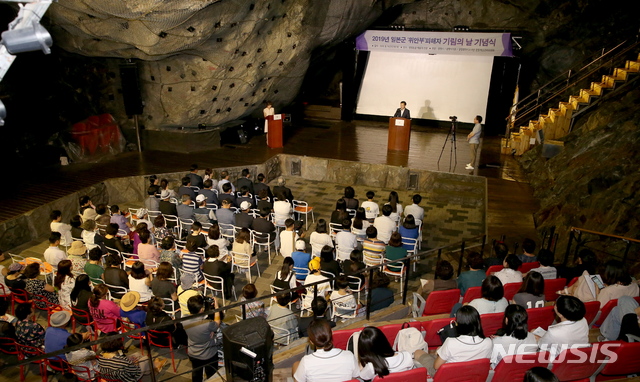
(467, 350)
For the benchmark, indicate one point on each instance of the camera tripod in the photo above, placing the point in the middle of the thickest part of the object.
(453, 153)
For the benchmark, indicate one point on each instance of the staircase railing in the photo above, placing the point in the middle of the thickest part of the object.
(529, 107)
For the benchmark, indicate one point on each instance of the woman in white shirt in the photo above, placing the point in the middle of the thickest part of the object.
(515, 337)
(618, 283)
(215, 238)
(281, 210)
(470, 344)
(510, 272)
(376, 357)
(320, 238)
(492, 300)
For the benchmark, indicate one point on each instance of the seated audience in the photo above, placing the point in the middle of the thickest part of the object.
(409, 229)
(343, 301)
(586, 261)
(215, 238)
(394, 251)
(91, 237)
(159, 229)
(104, 312)
(210, 196)
(319, 311)
(185, 188)
(288, 237)
(340, 213)
(510, 272)
(224, 179)
(443, 281)
(113, 274)
(282, 320)
(64, 283)
(147, 250)
(492, 300)
(546, 268)
(378, 359)
(501, 251)
(622, 320)
(156, 315)
(136, 236)
(228, 194)
(76, 229)
(103, 215)
(617, 283)
(84, 362)
(475, 275)
(129, 309)
(281, 188)
(326, 364)
(53, 254)
(118, 218)
(264, 201)
(36, 287)
(354, 264)
(384, 224)
(372, 246)
(471, 343)
(244, 218)
(396, 207)
(253, 308)
(345, 239)
(320, 237)
(166, 207)
(192, 260)
(80, 296)
(15, 279)
(152, 202)
(225, 214)
(349, 198)
(94, 267)
(264, 226)
(194, 179)
(282, 209)
(161, 285)
(55, 336)
(4, 316)
(261, 184)
(313, 277)
(188, 288)
(197, 235)
(87, 209)
(328, 263)
(170, 254)
(242, 243)
(381, 295)
(246, 195)
(371, 208)
(114, 365)
(140, 281)
(531, 293)
(528, 249)
(571, 330)
(217, 266)
(540, 374)
(28, 331)
(414, 209)
(514, 337)
(301, 260)
(111, 240)
(63, 229)
(286, 276)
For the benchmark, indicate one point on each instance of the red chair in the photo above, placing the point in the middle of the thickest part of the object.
(391, 331)
(551, 287)
(9, 346)
(540, 317)
(471, 371)
(83, 318)
(491, 322)
(418, 374)
(156, 338)
(592, 308)
(577, 364)
(526, 267)
(57, 365)
(42, 303)
(4, 293)
(341, 337)
(82, 371)
(27, 351)
(471, 294)
(513, 367)
(626, 362)
(510, 290)
(604, 312)
(494, 268)
(573, 281)
(441, 302)
(128, 326)
(431, 328)
(19, 296)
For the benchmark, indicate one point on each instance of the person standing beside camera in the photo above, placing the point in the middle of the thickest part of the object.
(474, 140)
(203, 350)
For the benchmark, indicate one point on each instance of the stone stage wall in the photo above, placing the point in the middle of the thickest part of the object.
(455, 204)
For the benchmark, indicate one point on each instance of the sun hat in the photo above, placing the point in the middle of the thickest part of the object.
(165, 194)
(245, 205)
(129, 301)
(77, 248)
(60, 318)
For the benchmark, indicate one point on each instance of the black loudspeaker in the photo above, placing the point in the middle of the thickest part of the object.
(131, 89)
(248, 350)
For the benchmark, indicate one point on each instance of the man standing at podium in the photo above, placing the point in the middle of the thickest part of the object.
(402, 111)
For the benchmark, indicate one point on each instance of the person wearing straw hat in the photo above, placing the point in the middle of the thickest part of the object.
(129, 308)
(55, 337)
(77, 255)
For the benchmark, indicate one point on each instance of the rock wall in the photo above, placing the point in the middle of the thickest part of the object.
(594, 183)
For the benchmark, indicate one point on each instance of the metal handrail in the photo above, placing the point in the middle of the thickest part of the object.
(558, 85)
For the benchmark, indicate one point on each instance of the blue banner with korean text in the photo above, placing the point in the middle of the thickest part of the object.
(459, 43)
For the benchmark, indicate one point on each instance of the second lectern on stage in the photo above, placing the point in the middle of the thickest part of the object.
(274, 137)
(399, 134)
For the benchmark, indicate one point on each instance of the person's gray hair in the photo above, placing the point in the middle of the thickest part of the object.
(281, 181)
(186, 198)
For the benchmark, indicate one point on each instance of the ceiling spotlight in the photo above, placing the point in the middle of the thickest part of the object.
(27, 39)
(3, 113)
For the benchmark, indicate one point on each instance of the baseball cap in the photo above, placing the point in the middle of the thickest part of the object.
(200, 198)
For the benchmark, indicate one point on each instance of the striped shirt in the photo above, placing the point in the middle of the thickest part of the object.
(191, 263)
(374, 247)
(120, 368)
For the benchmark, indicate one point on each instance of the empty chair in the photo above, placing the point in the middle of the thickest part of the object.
(470, 371)
(626, 362)
(551, 287)
(577, 364)
(302, 208)
(244, 261)
(592, 308)
(510, 290)
(513, 367)
(541, 317)
(471, 294)
(263, 239)
(441, 302)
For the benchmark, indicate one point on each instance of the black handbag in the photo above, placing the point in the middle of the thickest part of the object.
(449, 330)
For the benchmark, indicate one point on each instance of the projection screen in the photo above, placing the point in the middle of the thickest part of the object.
(434, 86)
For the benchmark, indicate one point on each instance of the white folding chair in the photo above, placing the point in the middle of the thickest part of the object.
(274, 290)
(184, 226)
(133, 216)
(281, 336)
(356, 285)
(216, 284)
(334, 228)
(261, 239)
(419, 224)
(227, 231)
(244, 261)
(302, 208)
(153, 215)
(180, 244)
(116, 292)
(396, 273)
(372, 260)
(171, 307)
(412, 248)
(172, 221)
(128, 259)
(351, 212)
(342, 314)
(342, 255)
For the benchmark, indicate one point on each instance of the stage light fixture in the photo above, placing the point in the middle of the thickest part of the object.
(3, 113)
(27, 39)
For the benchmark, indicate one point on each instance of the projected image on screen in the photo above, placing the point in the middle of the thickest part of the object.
(434, 86)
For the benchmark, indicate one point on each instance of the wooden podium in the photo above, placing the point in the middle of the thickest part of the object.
(274, 135)
(399, 134)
